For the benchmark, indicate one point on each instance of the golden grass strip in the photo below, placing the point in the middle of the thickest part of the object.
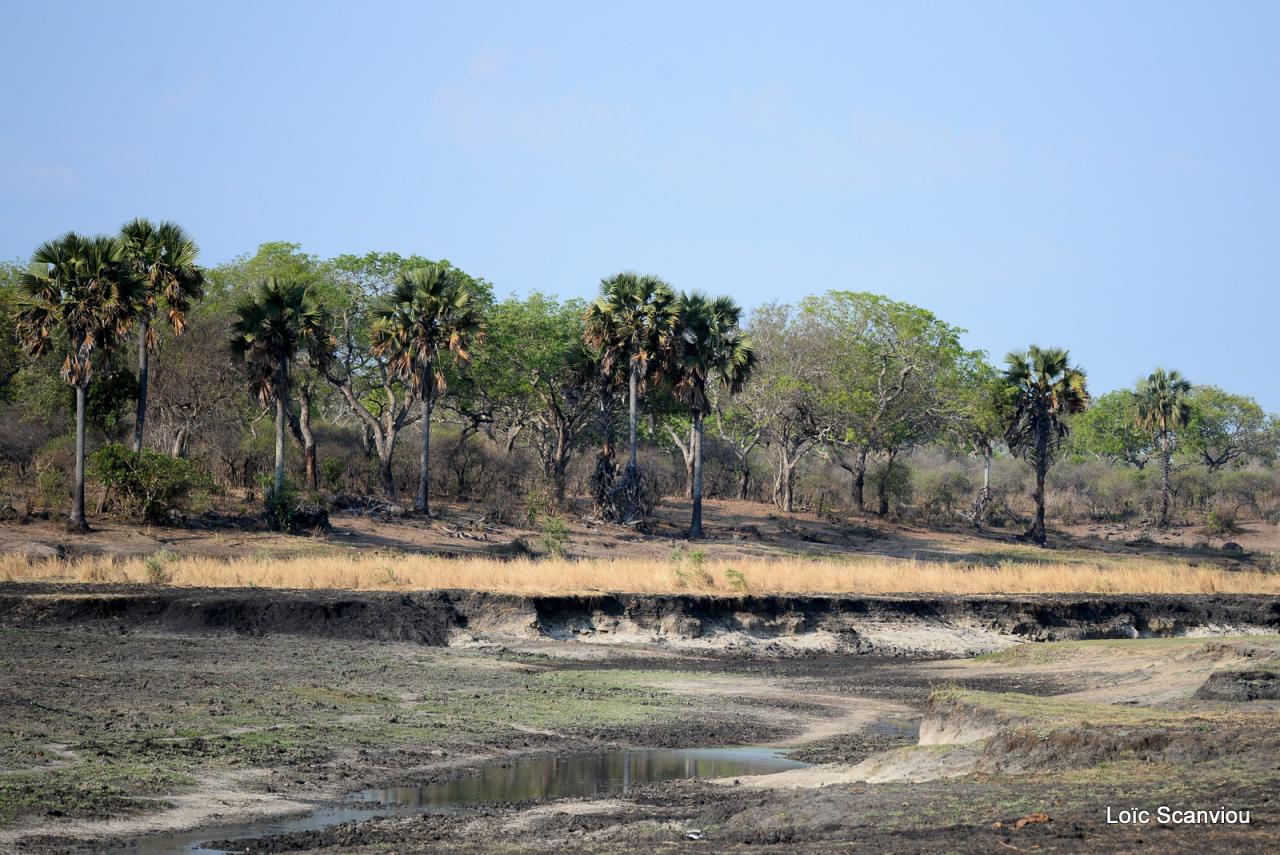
(870, 575)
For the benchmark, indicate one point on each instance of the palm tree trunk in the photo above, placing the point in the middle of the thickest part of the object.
(144, 372)
(634, 384)
(695, 528)
(280, 422)
(422, 501)
(1166, 472)
(77, 523)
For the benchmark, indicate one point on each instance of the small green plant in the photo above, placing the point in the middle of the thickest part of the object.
(281, 505)
(690, 568)
(1221, 522)
(736, 579)
(156, 566)
(555, 534)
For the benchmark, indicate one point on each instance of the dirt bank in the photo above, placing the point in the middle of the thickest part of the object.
(891, 625)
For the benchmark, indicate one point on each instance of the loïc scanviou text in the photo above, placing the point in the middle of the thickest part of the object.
(1165, 815)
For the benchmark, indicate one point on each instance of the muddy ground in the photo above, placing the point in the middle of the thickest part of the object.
(111, 728)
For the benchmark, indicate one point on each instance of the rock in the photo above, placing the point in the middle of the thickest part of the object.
(33, 550)
(310, 518)
(1252, 685)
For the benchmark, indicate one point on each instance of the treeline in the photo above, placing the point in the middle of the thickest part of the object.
(392, 374)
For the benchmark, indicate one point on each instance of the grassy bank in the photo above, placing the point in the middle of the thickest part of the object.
(683, 573)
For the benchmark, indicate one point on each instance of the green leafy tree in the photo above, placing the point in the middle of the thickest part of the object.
(1044, 390)
(532, 369)
(1163, 408)
(630, 324)
(429, 319)
(163, 257)
(708, 347)
(274, 323)
(1109, 430)
(886, 366)
(78, 290)
(1227, 429)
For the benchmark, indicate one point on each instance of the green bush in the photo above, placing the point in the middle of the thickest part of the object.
(53, 487)
(892, 484)
(144, 486)
(332, 470)
(281, 505)
(156, 566)
(1221, 522)
(555, 534)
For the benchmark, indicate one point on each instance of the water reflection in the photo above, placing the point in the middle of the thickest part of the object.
(588, 774)
(532, 779)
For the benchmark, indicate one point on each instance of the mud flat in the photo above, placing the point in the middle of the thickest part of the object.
(134, 717)
(773, 625)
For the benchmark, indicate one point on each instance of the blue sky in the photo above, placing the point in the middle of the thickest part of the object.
(1103, 176)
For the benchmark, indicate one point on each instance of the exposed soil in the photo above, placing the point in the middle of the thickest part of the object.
(756, 625)
(131, 710)
(734, 529)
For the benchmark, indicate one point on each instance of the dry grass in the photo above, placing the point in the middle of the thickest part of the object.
(871, 575)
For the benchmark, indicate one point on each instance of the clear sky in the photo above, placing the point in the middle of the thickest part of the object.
(1102, 176)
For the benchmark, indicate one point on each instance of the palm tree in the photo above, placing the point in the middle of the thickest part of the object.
(708, 346)
(82, 286)
(273, 323)
(1164, 407)
(1044, 388)
(431, 313)
(630, 322)
(163, 257)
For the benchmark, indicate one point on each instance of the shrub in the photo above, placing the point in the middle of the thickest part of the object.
(332, 470)
(736, 579)
(1221, 522)
(156, 566)
(53, 487)
(892, 484)
(281, 505)
(941, 491)
(555, 534)
(147, 485)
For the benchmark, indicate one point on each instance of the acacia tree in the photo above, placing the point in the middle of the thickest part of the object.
(1227, 429)
(1163, 408)
(708, 347)
(80, 290)
(630, 324)
(1044, 390)
(163, 258)
(535, 378)
(1109, 430)
(782, 396)
(273, 323)
(882, 362)
(429, 317)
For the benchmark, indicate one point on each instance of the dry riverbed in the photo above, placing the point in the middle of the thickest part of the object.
(111, 731)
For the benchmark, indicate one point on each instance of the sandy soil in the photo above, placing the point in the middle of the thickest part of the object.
(734, 529)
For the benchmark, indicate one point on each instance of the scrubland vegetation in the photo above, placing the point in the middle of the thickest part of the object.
(136, 383)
